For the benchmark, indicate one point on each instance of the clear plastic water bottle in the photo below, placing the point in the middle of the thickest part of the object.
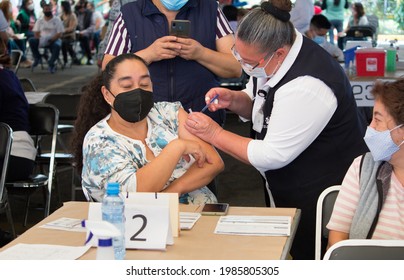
(113, 211)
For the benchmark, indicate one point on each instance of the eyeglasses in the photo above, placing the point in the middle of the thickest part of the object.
(247, 65)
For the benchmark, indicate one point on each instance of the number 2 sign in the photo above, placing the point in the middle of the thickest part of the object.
(147, 226)
(151, 219)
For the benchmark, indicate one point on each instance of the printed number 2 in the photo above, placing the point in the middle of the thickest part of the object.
(144, 219)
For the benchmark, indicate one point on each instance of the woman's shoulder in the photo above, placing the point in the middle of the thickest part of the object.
(165, 110)
(165, 115)
(98, 131)
(167, 106)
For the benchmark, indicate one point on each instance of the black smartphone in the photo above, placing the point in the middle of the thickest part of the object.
(216, 209)
(181, 28)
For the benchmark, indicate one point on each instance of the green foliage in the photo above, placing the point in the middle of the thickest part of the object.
(399, 14)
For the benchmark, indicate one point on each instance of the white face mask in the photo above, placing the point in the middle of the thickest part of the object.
(380, 143)
(258, 72)
(31, 7)
(254, 70)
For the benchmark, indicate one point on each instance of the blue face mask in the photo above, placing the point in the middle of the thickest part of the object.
(380, 143)
(173, 5)
(319, 39)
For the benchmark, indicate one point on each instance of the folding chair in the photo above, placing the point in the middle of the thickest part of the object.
(16, 56)
(325, 205)
(360, 32)
(366, 249)
(43, 121)
(67, 105)
(27, 84)
(6, 139)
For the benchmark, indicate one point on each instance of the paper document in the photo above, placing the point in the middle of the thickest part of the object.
(188, 219)
(254, 225)
(22, 251)
(68, 224)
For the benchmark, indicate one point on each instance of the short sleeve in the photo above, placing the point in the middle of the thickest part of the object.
(110, 157)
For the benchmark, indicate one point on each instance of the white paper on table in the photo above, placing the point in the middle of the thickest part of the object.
(188, 219)
(68, 224)
(254, 225)
(23, 251)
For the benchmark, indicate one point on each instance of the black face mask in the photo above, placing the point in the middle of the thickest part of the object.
(48, 14)
(133, 105)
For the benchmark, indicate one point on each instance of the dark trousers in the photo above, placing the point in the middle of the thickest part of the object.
(67, 47)
(19, 168)
(85, 45)
(54, 48)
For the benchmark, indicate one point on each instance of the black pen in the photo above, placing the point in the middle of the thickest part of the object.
(210, 102)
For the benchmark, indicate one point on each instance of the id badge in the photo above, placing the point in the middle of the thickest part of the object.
(259, 121)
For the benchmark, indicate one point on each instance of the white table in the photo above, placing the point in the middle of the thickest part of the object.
(199, 243)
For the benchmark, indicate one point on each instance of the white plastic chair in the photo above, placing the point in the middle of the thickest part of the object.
(366, 249)
(325, 205)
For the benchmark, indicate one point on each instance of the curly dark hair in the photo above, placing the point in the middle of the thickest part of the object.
(93, 107)
(390, 93)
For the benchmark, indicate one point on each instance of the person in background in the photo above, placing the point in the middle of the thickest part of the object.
(55, 8)
(69, 35)
(3, 28)
(370, 202)
(241, 12)
(115, 7)
(98, 20)
(48, 31)
(85, 29)
(317, 8)
(223, 3)
(27, 18)
(100, 5)
(304, 115)
(319, 26)
(334, 11)
(301, 14)
(182, 69)
(358, 16)
(129, 144)
(14, 42)
(14, 112)
(231, 14)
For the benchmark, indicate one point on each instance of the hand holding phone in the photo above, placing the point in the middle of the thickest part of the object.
(181, 28)
(215, 209)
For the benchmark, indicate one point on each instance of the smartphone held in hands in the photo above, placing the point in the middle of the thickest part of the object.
(181, 28)
(215, 209)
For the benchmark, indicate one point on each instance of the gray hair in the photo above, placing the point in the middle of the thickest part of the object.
(264, 31)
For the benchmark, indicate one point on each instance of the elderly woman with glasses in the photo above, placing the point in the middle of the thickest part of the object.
(304, 116)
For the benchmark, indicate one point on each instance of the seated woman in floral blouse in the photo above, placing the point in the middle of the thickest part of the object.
(122, 136)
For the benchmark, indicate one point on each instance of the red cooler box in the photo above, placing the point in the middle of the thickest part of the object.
(370, 61)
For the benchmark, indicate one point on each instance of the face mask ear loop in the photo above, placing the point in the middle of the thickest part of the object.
(110, 105)
(394, 128)
(399, 127)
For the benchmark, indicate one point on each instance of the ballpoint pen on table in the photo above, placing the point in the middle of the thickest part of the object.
(210, 102)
